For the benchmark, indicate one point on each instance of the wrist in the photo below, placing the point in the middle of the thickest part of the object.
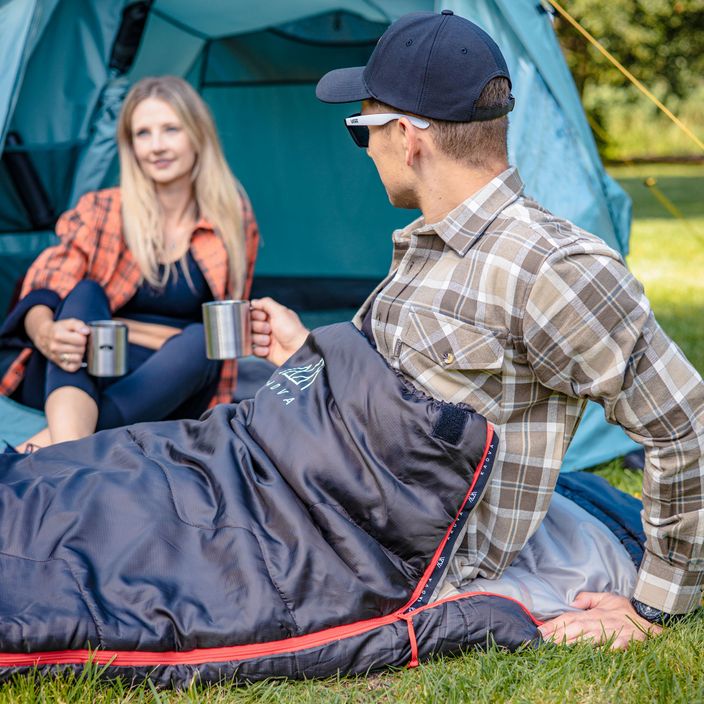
(653, 615)
(300, 339)
(36, 323)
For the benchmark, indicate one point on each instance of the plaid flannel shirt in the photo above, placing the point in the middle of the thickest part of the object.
(91, 246)
(524, 316)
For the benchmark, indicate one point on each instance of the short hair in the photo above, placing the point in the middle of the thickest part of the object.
(480, 145)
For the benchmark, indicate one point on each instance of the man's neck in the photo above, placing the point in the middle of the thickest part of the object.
(451, 185)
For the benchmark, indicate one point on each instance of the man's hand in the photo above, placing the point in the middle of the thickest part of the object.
(604, 616)
(277, 332)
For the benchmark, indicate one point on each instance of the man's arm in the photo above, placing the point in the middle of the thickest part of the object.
(590, 333)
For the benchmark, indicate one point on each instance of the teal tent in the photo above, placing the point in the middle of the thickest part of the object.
(323, 213)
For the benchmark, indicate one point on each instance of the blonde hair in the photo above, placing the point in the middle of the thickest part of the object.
(214, 187)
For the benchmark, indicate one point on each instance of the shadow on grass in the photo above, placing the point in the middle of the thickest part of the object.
(685, 192)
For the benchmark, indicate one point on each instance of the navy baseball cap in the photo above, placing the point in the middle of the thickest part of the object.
(433, 65)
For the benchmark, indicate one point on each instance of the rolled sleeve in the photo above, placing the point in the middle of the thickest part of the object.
(590, 334)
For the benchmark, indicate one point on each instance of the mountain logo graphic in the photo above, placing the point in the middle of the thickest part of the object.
(303, 377)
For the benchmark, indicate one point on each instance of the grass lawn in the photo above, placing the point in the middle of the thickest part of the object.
(668, 257)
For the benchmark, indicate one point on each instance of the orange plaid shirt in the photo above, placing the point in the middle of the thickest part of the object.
(92, 247)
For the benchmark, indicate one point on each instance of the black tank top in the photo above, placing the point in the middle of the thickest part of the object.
(177, 304)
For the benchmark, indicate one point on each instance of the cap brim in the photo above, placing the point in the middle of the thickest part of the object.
(343, 85)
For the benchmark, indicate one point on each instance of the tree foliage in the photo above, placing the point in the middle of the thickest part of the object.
(661, 42)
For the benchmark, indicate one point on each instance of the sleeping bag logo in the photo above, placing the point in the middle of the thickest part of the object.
(302, 377)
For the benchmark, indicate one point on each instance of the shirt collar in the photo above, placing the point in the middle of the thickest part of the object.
(203, 224)
(463, 225)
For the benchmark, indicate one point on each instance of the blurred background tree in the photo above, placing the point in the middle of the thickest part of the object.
(662, 43)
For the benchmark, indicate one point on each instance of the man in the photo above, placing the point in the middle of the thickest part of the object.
(494, 302)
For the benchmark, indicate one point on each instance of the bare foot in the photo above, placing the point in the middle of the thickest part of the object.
(38, 440)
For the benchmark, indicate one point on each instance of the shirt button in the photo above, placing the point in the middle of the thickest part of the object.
(448, 358)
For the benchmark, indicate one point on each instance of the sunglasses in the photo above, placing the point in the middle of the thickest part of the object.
(358, 125)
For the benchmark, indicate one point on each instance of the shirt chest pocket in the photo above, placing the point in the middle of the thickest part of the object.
(453, 360)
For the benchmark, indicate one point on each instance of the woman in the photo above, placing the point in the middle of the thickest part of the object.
(179, 231)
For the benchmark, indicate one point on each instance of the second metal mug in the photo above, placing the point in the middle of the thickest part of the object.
(227, 332)
(107, 348)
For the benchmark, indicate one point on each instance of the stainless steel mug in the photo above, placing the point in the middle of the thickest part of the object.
(107, 348)
(227, 331)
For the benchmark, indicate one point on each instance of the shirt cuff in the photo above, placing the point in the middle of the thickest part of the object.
(668, 588)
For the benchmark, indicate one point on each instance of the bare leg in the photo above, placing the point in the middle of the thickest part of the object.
(40, 439)
(71, 414)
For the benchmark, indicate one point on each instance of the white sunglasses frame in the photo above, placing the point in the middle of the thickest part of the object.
(376, 120)
(382, 118)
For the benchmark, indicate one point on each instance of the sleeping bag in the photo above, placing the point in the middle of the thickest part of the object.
(299, 533)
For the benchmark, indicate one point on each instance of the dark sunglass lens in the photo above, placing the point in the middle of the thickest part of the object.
(360, 134)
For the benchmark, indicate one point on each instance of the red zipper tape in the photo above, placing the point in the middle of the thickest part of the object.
(413, 662)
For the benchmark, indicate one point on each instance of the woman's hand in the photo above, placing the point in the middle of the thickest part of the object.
(277, 332)
(61, 341)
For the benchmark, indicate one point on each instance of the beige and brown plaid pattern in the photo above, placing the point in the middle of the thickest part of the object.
(524, 317)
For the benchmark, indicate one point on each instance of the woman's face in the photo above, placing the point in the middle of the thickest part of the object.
(163, 148)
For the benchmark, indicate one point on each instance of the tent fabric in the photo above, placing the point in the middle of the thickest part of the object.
(57, 97)
(21, 24)
(54, 100)
(223, 18)
(98, 154)
(15, 22)
(320, 205)
(17, 252)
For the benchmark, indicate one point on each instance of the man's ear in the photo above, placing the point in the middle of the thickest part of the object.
(411, 143)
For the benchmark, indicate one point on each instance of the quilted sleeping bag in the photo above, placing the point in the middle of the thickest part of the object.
(299, 533)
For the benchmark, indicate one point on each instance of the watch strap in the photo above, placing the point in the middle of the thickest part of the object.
(650, 613)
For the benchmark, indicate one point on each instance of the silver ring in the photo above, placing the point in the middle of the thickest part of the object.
(64, 357)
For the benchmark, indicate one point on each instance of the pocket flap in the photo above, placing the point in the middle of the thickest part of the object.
(452, 343)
